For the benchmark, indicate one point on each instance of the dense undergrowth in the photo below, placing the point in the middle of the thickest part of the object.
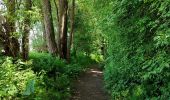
(133, 36)
(43, 77)
(138, 61)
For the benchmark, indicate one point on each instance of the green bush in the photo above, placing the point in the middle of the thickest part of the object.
(54, 75)
(138, 61)
(51, 81)
(49, 88)
(14, 79)
(54, 65)
(46, 62)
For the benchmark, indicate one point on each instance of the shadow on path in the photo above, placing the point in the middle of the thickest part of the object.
(90, 86)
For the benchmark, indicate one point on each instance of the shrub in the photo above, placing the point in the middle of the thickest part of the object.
(54, 75)
(14, 79)
(137, 65)
(46, 62)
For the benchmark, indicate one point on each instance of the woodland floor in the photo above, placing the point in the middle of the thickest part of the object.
(90, 86)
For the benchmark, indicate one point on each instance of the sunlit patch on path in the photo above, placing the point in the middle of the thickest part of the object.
(90, 86)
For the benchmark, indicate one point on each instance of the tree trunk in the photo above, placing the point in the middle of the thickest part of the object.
(63, 7)
(58, 35)
(72, 31)
(12, 44)
(25, 39)
(48, 21)
(44, 38)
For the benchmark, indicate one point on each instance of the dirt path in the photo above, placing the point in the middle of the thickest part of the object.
(90, 86)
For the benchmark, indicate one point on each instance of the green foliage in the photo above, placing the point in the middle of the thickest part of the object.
(86, 37)
(55, 76)
(52, 79)
(137, 64)
(96, 57)
(13, 78)
(46, 77)
(54, 65)
(48, 88)
(38, 42)
(136, 34)
(46, 62)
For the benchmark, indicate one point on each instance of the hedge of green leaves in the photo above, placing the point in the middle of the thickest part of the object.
(138, 61)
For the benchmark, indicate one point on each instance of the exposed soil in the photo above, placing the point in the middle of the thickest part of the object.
(90, 86)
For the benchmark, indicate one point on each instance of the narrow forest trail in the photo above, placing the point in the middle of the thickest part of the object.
(90, 86)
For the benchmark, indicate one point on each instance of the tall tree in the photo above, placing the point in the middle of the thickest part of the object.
(49, 28)
(12, 44)
(2, 21)
(44, 37)
(57, 21)
(25, 39)
(72, 30)
(63, 7)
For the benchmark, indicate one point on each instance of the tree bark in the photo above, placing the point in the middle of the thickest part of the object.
(12, 44)
(48, 21)
(63, 7)
(56, 10)
(58, 34)
(44, 38)
(25, 39)
(72, 30)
